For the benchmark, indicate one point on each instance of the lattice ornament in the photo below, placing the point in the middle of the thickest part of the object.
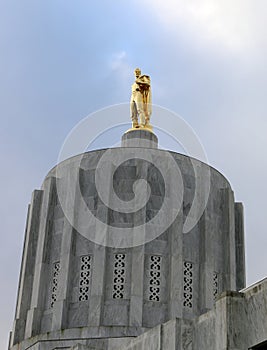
(155, 262)
(188, 284)
(56, 269)
(119, 275)
(85, 277)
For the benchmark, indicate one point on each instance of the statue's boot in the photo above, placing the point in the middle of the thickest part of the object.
(135, 123)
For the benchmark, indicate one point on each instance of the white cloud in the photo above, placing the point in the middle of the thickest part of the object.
(119, 63)
(235, 24)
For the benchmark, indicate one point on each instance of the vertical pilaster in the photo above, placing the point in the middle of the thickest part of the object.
(169, 333)
(221, 324)
(137, 281)
(183, 334)
(97, 288)
(27, 267)
(175, 233)
(96, 299)
(228, 237)
(205, 291)
(138, 265)
(41, 266)
(237, 330)
(60, 308)
(240, 247)
(230, 329)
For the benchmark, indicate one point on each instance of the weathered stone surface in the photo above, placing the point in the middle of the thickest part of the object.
(90, 313)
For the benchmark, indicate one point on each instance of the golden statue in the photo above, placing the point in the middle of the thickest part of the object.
(141, 101)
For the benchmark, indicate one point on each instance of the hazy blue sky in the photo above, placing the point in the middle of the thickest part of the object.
(61, 60)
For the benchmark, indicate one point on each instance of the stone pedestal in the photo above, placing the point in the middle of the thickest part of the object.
(139, 138)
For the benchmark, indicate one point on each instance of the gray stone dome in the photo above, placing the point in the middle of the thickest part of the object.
(73, 288)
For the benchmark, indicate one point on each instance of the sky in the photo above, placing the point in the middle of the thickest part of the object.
(60, 61)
